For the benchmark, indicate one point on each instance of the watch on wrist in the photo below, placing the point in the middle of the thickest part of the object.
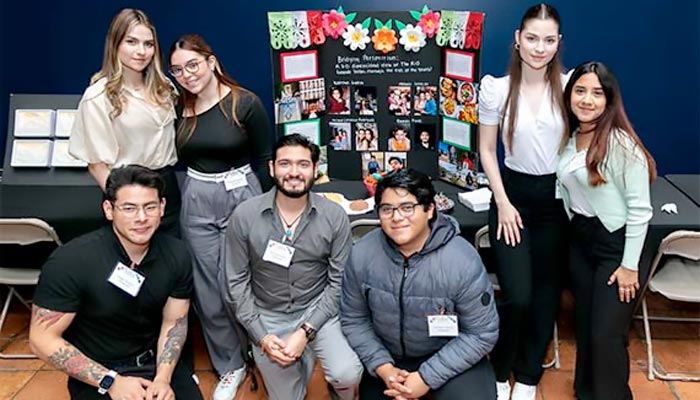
(310, 331)
(106, 382)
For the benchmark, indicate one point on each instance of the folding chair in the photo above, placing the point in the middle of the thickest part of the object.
(361, 227)
(481, 241)
(21, 231)
(678, 278)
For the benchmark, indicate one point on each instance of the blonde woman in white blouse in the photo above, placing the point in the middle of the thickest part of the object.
(126, 115)
(527, 223)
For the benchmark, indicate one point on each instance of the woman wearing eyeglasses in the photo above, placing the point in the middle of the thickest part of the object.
(126, 115)
(224, 128)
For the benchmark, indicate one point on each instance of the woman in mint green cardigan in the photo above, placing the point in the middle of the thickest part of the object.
(604, 173)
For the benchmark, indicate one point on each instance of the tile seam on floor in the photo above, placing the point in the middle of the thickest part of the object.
(24, 386)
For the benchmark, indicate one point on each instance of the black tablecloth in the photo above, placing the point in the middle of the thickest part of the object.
(688, 184)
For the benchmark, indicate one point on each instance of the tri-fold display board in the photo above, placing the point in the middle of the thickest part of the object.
(381, 90)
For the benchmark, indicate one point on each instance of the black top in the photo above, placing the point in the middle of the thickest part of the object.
(218, 144)
(110, 324)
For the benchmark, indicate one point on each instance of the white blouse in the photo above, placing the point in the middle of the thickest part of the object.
(142, 134)
(578, 201)
(537, 137)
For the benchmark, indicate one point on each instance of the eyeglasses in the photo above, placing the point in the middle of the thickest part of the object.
(132, 210)
(191, 67)
(405, 210)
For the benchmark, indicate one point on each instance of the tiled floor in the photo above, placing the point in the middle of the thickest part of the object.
(677, 349)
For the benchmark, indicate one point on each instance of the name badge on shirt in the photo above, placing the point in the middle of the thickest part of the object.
(279, 253)
(442, 325)
(234, 180)
(126, 279)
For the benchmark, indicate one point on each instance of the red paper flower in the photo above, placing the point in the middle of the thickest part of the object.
(315, 27)
(384, 39)
(429, 23)
(334, 24)
(474, 27)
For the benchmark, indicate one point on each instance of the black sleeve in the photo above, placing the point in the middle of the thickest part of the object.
(60, 283)
(183, 286)
(254, 118)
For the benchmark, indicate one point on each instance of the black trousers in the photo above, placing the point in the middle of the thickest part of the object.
(529, 275)
(602, 320)
(476, 383)
(182, 383)
(171, 220)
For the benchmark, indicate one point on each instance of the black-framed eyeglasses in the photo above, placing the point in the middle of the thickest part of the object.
(387, 211)
(191, 67)
(131, 210)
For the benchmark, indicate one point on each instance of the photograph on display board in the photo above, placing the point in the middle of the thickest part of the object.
(399, 100)
(457, 165)
(339, 100)
(448, 97)
(424, 137)
(311, 129)
(341, 135)
(395, 161)
(424, 100)
(366, 136)
(365, 100)
(287, 103)
(313, 98)
(372, 163)
(322, 163)
(399, 138)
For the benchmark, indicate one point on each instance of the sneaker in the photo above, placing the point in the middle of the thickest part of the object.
(228, 385)
(503, 390)
(522, 391)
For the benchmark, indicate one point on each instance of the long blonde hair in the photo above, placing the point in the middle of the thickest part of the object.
(158, 88)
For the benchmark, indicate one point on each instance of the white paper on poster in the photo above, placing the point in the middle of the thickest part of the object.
(64, 122)
(33, 123)
(30, 153)
(309, 129)
(61, 158)
(456, 132)
(459, 65)
(300, 66)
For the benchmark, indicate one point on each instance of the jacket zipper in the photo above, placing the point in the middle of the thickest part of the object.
(401, 317)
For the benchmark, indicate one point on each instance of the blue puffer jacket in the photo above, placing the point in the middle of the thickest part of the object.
(386, 300)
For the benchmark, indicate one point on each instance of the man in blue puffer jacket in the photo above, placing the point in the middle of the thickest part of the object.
(417, 305)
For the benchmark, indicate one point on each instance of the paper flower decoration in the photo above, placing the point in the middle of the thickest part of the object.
(412, 38)
(334, 24)
(356, 37)
(384, 39)
(429, 23)
(315, 27)
(474, 28)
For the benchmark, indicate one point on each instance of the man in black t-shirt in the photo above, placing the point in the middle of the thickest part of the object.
(111, 306)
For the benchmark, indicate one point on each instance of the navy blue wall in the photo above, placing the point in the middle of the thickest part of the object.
(50, 46)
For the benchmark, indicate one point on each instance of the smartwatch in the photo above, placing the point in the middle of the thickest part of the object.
(309, 331)
(106, 382)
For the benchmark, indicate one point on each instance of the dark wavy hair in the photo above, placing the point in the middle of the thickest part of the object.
(296, 139)
(411, 180)
(133, 175)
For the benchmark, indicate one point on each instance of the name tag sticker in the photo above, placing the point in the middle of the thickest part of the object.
(442, 325)
(278, 253)
(126, 279)
(235, 180)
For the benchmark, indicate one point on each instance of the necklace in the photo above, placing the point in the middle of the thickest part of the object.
(288, 231)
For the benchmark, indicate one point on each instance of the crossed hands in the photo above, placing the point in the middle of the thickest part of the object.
(134, 388)
(284, 352)
(401, 384)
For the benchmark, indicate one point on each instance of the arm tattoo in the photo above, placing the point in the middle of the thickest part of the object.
(76, 364)
(173, 344)
(46, 317)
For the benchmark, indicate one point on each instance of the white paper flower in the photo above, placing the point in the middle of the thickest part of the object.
(356, 37)
(412, 38)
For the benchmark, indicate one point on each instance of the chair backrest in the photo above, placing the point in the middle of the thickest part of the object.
(361, 227)
(24, 231)
(481, 239)
(682, 243)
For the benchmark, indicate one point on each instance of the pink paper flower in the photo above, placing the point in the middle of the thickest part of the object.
(384, 40)
(429, 23)
(334, 24)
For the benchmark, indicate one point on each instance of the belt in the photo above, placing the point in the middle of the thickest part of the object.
(217, 177)
(145, 358)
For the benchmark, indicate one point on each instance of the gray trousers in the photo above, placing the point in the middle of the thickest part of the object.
(341, 366)
(206, 208)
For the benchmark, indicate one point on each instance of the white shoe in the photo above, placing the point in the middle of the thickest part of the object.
(522, 391)
(503, 390)
(228, 385)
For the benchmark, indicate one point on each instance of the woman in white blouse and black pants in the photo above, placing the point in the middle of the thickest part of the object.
(527, 223)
